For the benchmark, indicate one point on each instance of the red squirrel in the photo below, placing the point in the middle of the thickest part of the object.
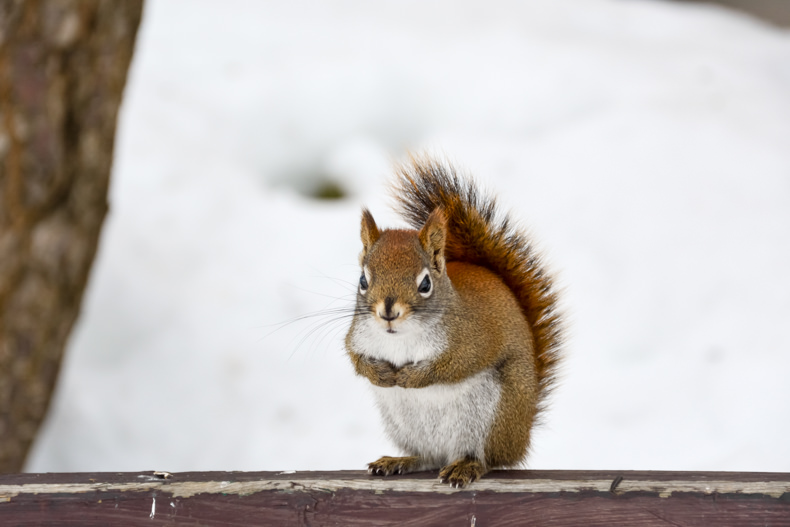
(457, 327)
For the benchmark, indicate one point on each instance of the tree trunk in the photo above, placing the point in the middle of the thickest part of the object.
(63, 66)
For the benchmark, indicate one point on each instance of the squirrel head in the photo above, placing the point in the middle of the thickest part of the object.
(403, 272)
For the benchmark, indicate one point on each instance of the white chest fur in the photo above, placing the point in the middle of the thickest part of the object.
(413, 342)
(441, 423)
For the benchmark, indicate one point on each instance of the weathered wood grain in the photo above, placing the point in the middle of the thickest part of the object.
(355, 498)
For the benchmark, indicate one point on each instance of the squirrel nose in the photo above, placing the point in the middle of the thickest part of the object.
(389, 315)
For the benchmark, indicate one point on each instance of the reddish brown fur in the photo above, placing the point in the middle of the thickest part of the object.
(507, 345)
(476, 235)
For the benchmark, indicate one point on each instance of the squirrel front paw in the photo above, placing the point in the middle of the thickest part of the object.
(413, 375)
(378, 372)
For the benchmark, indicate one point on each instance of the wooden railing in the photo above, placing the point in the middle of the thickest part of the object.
(349, 498)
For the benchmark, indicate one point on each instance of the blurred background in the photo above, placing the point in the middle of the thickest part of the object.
(774, 11)
(644, 143)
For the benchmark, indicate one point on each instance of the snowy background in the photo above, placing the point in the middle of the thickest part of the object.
(646, 144)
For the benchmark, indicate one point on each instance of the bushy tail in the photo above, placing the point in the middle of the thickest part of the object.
(478, 234)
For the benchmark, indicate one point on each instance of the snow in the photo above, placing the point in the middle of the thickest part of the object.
(646, 144)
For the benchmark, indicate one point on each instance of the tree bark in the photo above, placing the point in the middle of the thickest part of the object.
(63, 66)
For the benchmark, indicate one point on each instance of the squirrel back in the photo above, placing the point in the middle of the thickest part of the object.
(478, 234)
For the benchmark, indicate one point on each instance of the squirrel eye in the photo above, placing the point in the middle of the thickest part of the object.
(425, 285)
(363, 282)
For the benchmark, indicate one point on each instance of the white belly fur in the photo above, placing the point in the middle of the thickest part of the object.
(441, 423)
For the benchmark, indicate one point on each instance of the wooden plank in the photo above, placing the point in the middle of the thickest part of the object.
(355, 498)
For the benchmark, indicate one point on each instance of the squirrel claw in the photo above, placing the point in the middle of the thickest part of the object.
(461, 473)
(387, 466)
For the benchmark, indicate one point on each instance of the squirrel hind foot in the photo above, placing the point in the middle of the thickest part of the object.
(387, 466)
(462, 472)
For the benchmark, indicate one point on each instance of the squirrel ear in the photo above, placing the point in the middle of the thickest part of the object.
(432, 238)
(370, 233)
